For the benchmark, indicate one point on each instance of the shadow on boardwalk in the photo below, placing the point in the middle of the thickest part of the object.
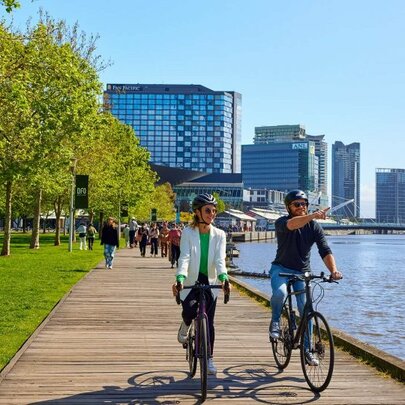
(242, 382)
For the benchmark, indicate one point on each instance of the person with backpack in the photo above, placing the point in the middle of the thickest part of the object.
(91, 234)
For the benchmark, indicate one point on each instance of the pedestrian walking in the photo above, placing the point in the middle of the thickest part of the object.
(91, 234)
(154, 240)
(82, 230)
(133, 227)
(109, 238)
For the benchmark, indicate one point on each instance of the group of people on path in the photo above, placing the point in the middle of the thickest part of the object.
(165, 237)
(87, 235)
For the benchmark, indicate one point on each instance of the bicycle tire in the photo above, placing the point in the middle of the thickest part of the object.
(191, 357)
(282, 347)
(322, 347)
(203, 357)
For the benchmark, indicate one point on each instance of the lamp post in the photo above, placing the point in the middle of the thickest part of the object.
(72, 202)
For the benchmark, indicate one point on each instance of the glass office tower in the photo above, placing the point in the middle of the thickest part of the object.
(296, 133)
(346, 179)
(280, 166)
(183, 126)
(390, 196)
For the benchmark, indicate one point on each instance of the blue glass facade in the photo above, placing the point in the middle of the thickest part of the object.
(390, 196)
(183, 126)
(346, 178)
(280, 166)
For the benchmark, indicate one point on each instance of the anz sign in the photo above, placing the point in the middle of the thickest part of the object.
(299, 146)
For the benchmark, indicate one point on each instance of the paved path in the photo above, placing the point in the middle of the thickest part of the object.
(113, 341)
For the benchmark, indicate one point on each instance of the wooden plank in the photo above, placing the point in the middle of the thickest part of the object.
(114, 339)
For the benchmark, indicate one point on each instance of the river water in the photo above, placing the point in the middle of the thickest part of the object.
(367, 303)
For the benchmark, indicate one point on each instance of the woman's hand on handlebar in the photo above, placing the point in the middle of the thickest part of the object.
(226, 287)
(176, 288)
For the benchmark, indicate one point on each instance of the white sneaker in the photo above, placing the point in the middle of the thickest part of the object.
(212, 370)
(182, 335)
(310, 359)
(274, 331)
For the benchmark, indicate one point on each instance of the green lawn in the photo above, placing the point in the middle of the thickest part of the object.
(33, 281)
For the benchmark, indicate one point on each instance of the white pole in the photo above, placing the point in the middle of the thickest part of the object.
(72, 202)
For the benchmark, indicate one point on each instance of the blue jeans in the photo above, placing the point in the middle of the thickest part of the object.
(279, 294)
(109, 251)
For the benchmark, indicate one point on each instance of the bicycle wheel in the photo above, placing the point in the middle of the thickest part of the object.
(318, 340)
(191, 358)
(203, 357)
(282, 347)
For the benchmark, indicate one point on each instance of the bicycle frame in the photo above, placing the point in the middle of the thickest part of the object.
(308, 307)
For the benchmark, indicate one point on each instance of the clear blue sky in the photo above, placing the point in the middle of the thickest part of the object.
(337, 67)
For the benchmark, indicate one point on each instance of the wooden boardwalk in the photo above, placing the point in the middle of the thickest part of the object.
(113, 340)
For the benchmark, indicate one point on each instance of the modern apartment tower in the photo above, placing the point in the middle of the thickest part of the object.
(183, 126)
(390, 196)
(346, 179)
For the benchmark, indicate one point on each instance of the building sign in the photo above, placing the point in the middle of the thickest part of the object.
(125, 87)
(81, 191)
(299, 146)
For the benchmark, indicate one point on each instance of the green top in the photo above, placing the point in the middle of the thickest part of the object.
(204, 245)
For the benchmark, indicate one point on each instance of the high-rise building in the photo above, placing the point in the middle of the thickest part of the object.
(390, 195)
(279, 133)
(321, 150)
(346, 179)
(183, 126)
(280, 166)
(317, 176)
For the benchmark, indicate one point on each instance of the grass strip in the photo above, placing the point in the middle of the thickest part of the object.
(32, 282)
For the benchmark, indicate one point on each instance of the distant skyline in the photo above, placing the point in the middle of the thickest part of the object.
(335, 67)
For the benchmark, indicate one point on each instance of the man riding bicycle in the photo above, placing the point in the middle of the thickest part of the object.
(202, 258)
(296, 233)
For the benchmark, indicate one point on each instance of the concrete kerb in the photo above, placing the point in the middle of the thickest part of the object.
(382, 361)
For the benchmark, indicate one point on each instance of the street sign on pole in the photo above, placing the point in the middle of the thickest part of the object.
(153, 215)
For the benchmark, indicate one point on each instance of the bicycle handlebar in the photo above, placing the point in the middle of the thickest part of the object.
(198, 286)
(307, 276)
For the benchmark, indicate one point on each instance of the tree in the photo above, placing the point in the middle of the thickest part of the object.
(10, 4)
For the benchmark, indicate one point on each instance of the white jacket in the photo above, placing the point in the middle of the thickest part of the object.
(190, 256)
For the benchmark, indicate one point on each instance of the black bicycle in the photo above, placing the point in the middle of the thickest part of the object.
(198, 342)
(311, 334)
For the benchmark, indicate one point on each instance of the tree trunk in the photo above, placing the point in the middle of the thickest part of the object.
(91, 216)
(7, 220)
(100, 231)
(58, 213)
(36, 222)
(24, 219)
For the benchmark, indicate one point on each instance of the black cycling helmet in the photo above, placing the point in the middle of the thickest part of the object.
(203, 199)
(294, 195)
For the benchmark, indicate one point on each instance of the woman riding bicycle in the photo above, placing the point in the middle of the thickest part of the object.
(202, 258)
(296, 233)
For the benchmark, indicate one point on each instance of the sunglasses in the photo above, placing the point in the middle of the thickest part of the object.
(210, 211)
(299, 204)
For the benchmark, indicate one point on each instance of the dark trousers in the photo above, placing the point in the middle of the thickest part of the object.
(142, 247)
(175, 250)
(190, 308)
(131, 238)
(90, 242)
(154, 246)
